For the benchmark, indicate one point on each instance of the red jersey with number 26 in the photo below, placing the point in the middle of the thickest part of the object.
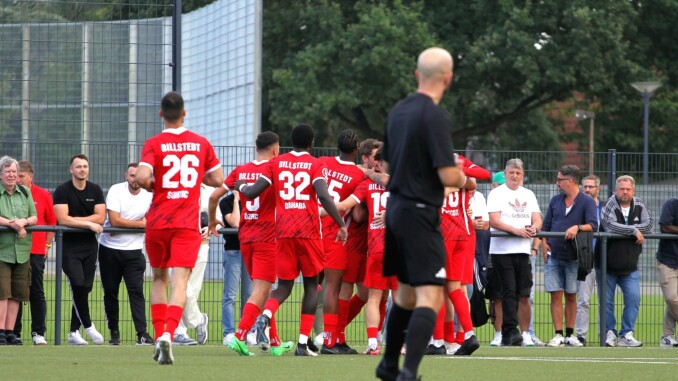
(179, 159)
(376, 197)
(296, 204)
(257, 217)
(343, 178)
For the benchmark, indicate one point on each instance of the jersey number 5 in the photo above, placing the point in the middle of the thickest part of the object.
(294, 185)
(184, 167)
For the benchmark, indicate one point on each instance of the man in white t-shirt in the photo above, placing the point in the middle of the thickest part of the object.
(514, 209)
(120, 254)
(193, 317)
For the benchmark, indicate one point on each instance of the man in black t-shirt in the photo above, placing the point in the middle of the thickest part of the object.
(235, 272)
(419, 154)
(79, 203)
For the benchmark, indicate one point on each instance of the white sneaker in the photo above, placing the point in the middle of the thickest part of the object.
(201, 330)
(668, 342)
(611, 339)
(163, 350)
(629, 341)
(527, 340)
(537, 342)
(94, 335)
(39, 339)
(228, 338)
(319, 340)
(572, 341)
(496, 342)
(557, 341)
(452, 349)
(74, 338)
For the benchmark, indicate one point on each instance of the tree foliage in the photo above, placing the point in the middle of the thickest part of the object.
(339, 64)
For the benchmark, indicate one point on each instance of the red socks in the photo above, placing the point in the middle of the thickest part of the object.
(354, 307)
(330, 321)
(449, 331)
(271, 305)
(306, 324)
(173, 317)
(372, 332)
(249, 315)
(462, 309)
(439, 329)
(158, 317)
(342, 320)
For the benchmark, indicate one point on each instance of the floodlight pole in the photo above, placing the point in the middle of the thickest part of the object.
(591, 116)
(647, 90)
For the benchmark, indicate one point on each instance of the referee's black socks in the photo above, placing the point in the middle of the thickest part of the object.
(397, 323)
(420, 329)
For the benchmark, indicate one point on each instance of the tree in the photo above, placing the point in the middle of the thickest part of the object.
(344, 66)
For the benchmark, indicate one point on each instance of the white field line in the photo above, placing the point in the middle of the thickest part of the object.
(633, 360)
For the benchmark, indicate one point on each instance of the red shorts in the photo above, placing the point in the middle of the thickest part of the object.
(456, 259)
(259, 258)
(295, 255)
(470, 253)
(335, 254)
(374, 274)
(355, 269)
(167, 248)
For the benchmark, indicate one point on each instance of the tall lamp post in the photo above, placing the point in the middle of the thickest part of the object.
(647, 90)
(591, 116)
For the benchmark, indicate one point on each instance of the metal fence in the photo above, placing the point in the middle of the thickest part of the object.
(541, 168)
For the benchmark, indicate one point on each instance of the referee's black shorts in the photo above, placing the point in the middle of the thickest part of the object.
(415, 250)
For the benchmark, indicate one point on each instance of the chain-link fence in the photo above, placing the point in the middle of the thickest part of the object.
(539, 178)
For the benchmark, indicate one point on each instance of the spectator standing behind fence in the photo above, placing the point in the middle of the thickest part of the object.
(17, 211)
(235, 271)
(42, 242)
(667, 271)
(79, 203)
(591, 185)
(571, 212)
(120, 254)
(626, 215)
(514, 209)
(193, 317)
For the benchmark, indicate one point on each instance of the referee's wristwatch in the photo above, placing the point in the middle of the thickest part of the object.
(578, 228)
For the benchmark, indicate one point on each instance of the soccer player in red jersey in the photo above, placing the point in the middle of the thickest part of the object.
(457, 229)
(375, 197)
(257, 240)
(299, 181)
(350, 305)
(343, 176)
(172, 165)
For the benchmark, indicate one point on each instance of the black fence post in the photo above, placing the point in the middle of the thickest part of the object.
(176, 46)
(59, 239)
(611, 171)
(602, 292)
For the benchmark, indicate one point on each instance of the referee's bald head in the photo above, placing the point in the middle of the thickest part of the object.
(434, 63)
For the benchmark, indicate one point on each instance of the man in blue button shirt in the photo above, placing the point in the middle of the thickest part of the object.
(571, 212)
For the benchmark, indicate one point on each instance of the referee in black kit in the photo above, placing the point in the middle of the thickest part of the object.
(419, 154)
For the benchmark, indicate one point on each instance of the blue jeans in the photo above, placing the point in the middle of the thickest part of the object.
(234, 273)
(630, 287)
